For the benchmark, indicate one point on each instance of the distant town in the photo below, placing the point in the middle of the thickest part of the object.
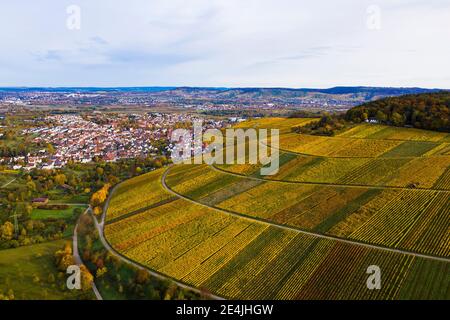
(47, 128)
(81, 138)
(206, 99)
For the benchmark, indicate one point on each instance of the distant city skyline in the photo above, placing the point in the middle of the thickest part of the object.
(225, 43)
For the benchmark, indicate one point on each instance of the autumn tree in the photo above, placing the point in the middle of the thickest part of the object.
(142, 276)
(7, 231)
(60, 179)
(86, 278)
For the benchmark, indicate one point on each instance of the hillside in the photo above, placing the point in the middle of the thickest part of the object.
(429, 111)
(337, 98)
(336, 206)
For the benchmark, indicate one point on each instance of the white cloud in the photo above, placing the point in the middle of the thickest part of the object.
(287, 43)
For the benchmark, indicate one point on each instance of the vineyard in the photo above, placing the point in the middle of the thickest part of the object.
(373, 195)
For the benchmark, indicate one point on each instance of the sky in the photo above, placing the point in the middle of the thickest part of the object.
(225, 43)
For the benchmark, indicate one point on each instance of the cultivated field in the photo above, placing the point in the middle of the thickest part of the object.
(373, 195)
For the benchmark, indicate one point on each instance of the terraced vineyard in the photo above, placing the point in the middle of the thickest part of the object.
(373, 195)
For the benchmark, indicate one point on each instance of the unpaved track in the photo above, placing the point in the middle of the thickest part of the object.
(78, 261)
(8, 183)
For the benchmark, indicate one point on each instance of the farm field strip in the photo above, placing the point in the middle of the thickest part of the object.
(427, 171)
(361, 173)
(273, 274)
(444, 181)
(305, 216)
(375, 131)
(353, 220)
(215, 260)
(436, 222)
(360, 132)
(423, 279)
(410, 149)
(329, 170)
(285, 227)
(168, 245)
(223, 194)
(409, 134)
(374, 172)
(151, 224)
(251, 261)
(310, 260)
(394, 219)
(144, 194)
(345, 147)
(191, 259)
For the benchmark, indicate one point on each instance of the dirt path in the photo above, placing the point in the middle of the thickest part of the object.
(78, 261)
(8, 183)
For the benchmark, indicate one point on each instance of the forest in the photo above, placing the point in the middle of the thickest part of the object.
(428, 111)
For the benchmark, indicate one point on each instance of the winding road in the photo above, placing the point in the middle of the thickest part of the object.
(76, 256)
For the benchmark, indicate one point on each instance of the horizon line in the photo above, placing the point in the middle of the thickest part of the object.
(222, 87)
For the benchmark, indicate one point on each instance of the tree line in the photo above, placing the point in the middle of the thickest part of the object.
(430, 111)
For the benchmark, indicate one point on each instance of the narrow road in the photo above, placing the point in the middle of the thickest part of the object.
(8, 183)
(284, 227)
(78, 261)
(100, 227)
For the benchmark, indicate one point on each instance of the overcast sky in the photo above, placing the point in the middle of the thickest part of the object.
(229, 43)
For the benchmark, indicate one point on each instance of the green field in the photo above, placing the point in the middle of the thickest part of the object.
(42, 214)
(337, 206)
(26, 272)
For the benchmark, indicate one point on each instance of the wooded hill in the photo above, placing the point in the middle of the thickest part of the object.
(425, 111)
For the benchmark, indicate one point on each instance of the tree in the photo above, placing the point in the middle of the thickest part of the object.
(100, 196)
(364, 116)
(86, 278)
(101, 272)
(7, 231)
(50, 148)
(98, 210)
(381, 116)
(64, 257)
(24, 209)
(60, 179)
(31, 186)
(397, 119)
(100, 171)
(142, 276)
